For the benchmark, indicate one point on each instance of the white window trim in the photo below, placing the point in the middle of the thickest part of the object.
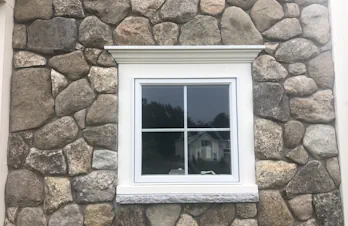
(194, 62)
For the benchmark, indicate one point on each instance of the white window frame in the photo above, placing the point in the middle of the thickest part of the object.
(183, 62)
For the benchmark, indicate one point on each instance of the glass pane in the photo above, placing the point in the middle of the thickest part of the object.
(163, 106)
(163, 153)
(209, 153)
(208, 106)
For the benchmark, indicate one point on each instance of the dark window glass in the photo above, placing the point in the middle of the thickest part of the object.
(208, 106)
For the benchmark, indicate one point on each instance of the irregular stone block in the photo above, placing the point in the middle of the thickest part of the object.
(31, 216)
(328, 208)
(179, 11)
(308, 2)
(266, 13)
(23, 59)
(186, 220)
(246, 210)
(11, 213)
(244, 4)
(267, 69)
(59, 82)
(103, 110)
(19, 37)
(298, 155)
(293, 133)
(300, 86)
(163, 214)
(284, 30)
(103, 80)
(27, 10)
(297, 69)
(66, 216)
(166, 33)
(71, 8)
(17, 151)
(47, 162)
(104, 159)
(291, 10)
(146, 8)
(196, 209)
(98, 215)
(302, 207)
(321, 69)
(57, 193)
(244, 222)
(220, 214)
(104, 136)
(270, 47)
(92, 55)
(129, 215)
(333, 167)
(212, 7)
(105, 59)
(295, 50)
(80, 118)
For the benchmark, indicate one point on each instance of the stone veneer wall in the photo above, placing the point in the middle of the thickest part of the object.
(62, 155)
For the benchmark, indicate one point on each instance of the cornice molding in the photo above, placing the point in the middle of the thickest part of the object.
(185, 54)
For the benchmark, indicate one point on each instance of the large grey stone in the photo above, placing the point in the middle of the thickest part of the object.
(333, 167)
(31, 98)
(67, 216)
(23, 188)
(166, 33)
(315, 23)
(162, 215)
(79, 157)
(293, 133)
(238, 29)
(302, 207)
(266, 68)
(284, 30)
(297, 49)
(27, 10)
(274, 174)
(73, 64)
(103, 80)
(291, 10)
(300, 86)
(146, 8)
(103, 136)
(59, 82)
(266, 13)
(75, 97)
(298, 155)
(97, 186)
(273, 210)
(179, 11)
(297, 68)
(316, 108)
(17, 151)
(19, 36)
(56, 134)
(61, 31)
(31, 216)
(46, 162)
(104, 159)
(201, 30)
(134, 31)
(99, 215)
(71, 8)
(110, 11)
(103, 110)
(219, 215)
(246, 210)
(321, 69)
(94, 33)
(23, 59)
(130, 215)
(270, 101)
(320, 141)
(57, 193)
(196, 209)
(312, 178)
(268, 139)
(244, 4)
(212, 7)
(328, 208)
(244, 222)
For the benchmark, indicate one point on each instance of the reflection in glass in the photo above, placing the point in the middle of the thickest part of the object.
(163, 153)
(208, 106)
(209, 153)
(163, 106)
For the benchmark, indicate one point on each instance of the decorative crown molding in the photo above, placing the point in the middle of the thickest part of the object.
(184, 54)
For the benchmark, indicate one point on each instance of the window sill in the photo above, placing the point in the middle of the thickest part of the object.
(150, 194)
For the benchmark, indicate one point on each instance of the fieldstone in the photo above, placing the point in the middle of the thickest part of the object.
(27, 10)
(104, 160)
(99, 215)
(315, 108)
(146, 8)
(23, 59)
(73, 65)
(328, 208)
(266, 68)
(80, 118)
(212, 7)
(284, 30)
(110, 11)
(78, 46)
(219, 215)
(268, 139)
(31, 216)
(293, 133)
(179, 11)
(315, 23)
(134, 31)
(23, 188)
(312, 178)
(136, 212)
(201, 30)
(246, 210)
(31, 98)
(103, 80)
(298, 155)
(155, 18)
(97, 186)
(66, 216)
(56, 134)
(244, 222)
(166, 33)
(270, 101)
(320, 141)
(46, 162)
(274, 174)
(297, 68)
(105, 59)
(270, 47)
(17, 151)
(297, 49)
(57, 193)
(104, 136)
(311, 222)
(291, 10)
(92, 55)
(326, 47)
(19, 36)
(79, 157)
(103, 110)
(11, 213)
(333, 167)
(196, 209)
(238, 29)
(266, 13)
(273, 210)
(59, 82)
(244, 4)
(163, 214)
(94, 33)
(27, 136)
(61, 31)
(76, 96)
(302, 207)
(321, 69)
(71, 8)
(186, 220)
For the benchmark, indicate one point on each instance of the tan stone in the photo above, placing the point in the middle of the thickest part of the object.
(212, 7)
(99, 215)
(57, 193)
